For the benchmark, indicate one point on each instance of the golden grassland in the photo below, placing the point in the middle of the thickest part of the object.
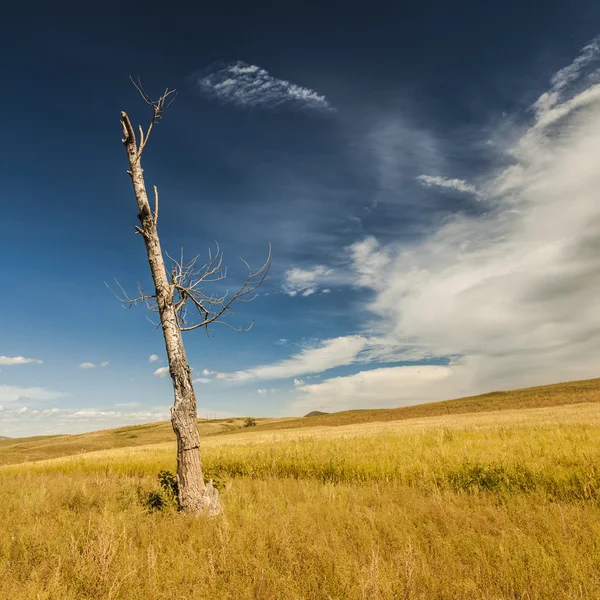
(44, 447)
(489, 505)
(30, 449)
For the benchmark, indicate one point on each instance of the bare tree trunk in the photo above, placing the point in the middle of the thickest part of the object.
(194, 495)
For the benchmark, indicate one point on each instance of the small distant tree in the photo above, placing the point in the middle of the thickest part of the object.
(250, 422)
(183, 305)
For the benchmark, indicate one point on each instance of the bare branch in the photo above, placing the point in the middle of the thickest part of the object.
(159, 107)
(127, 301)
(188, 287)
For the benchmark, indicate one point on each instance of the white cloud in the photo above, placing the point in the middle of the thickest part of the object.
(248, 85)
(87, 365)
(202, 380)
(459, 185)
(153, 358)
(13, 393)
(370, 261)
(93, 415)
(304, 281)
(18, 360)
(104, 364)
(162, 372)
(383, 387)
(298, 382)
(514, 291)
(265, 391)
(328, 354)
(208, 373)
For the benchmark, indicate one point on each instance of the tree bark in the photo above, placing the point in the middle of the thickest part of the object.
(194, 496)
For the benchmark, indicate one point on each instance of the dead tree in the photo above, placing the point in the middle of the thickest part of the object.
(182, 304)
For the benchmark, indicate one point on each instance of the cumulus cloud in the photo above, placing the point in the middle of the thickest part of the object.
(87, 365)
(153, 358)
(248, 85)
(162, 372)
(304, 281)
(18, 360)
(459, 185)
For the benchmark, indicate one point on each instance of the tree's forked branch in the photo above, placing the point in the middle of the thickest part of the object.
(159, 107)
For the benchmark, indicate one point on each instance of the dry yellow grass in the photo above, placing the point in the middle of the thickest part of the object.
(43, 447)
(494, 506)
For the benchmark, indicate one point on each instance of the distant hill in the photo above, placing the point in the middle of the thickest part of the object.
(19, 450)
(572, 392)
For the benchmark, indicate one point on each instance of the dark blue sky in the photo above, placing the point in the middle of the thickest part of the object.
(428, 89)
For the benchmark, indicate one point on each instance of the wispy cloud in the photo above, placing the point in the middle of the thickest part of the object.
(249, 85)
(104, 363)
(550, 106)
(153, 358)
(324, 355)
(459, 185)
(13, 393)
(87, 365)
(18, 360)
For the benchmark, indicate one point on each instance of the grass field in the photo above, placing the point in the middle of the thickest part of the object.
(488, 504)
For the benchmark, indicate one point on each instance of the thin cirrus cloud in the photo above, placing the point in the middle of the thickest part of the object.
(18, 360)
(246, 85)
(13, 393)
(324, 355)
(459, 185)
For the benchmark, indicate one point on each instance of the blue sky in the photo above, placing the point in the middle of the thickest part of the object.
(426, 174)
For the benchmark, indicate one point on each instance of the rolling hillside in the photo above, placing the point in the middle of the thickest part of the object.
(13, 451)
